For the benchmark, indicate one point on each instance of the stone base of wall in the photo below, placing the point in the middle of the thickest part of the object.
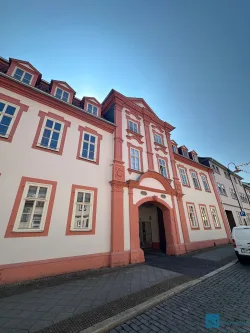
(204, 244)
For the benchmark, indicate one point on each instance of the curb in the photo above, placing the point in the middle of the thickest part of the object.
(124, 316)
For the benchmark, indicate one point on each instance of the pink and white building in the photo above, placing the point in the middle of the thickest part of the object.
(85, 184)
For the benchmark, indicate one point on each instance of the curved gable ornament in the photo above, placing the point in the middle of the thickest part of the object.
(162, 180)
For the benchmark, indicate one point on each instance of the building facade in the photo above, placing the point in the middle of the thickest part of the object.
(86, 184)
(233, 193)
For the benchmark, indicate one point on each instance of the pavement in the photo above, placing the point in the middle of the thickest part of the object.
(221, 303)
(54, 305)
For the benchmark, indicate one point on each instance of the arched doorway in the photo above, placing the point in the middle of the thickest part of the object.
(151, 227)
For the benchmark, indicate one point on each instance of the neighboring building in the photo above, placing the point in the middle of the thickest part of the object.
(85, 184)
(232, 192)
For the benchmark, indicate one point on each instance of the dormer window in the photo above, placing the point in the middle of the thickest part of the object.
(185, 153)
(62, 94)
(195, 158)
(22, 76)
(158, 139)
(175, 149)
(92, 109)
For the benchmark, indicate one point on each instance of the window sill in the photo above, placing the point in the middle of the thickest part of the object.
(135, 171)
(195, 228)
(217, 227)
(87, 160)
(134, 135)
(207, 228)
(74, 232)
(208, 191)
(198, 188)
(27, 230)
(46, 149)
(186, 185)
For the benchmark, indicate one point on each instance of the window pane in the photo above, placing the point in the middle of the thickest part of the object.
(86, 137)
(65, 96)
(49, 123)
(91, 148)
(10, 110)
(27, 209)
(32, 192)
(45, 142)
(46, 133)
(18, 74)
(2, 105)
(27, 78)
(57, 126)
(53, 144)
(84, 153)
(92, 139)
(91, 155)
(55, 136)
(3, 129)
(42, 192)
(80, 196)
(90, 108)
(87, 197)
(95, 110)
(6, 121)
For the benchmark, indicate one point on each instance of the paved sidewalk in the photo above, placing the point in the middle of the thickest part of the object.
(80, 303)
(226, 295)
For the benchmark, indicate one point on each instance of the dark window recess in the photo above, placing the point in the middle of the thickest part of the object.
(143, 193)
(163, 196)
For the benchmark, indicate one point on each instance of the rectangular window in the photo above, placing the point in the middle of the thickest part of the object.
(92, 109)
(174, 149)
(88, 149)
(61, 94)
(7, 116)
(33, 207)
(158, 139)
(195, 180)
(226, 174)
(133, 126)
(162, 167)
(221, 188)
(82, 211)
(135, 159)
(204, 217)
(183, 175)
(22, 76)
(216, 169)
(215, 217)
(192, 216)
(233, 193)
(51, 134)
(185, 153)
(243, 197)
(205, 183)
(195, 158)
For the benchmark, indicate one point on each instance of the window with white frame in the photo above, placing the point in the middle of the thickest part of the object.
(82, 211)
(92, 109)
(192, 216)
(135, 159)
(195, 158)
(243, 197)
(204, 217)
(163, 167)
(195, 179)
(158, 139)
(174, 149)
(233, 193)
(205, 183)
(51, 134)
(22, 76)
(222, 189)
(132, 126)
(215, 217)
(185, 153)
(62, 94)
(33, 208)
(7, 115)
(183, 175)
(89, 146)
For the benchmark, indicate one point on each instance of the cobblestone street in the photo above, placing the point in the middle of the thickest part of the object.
(81, 302)
(227, 295)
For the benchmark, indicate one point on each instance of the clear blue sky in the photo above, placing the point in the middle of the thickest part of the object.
(190, 60)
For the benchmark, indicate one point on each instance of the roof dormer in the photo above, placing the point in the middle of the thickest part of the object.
(183, 151)
(62, 91)
(91, 105)
(174, 146)
(23, 71)
(194, 156)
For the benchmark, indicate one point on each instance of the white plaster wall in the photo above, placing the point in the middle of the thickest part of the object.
(150, 214)
(234, 210)
(152, 183)
(201, 197)
(125, 149)
(126, 220)
(19, 159)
